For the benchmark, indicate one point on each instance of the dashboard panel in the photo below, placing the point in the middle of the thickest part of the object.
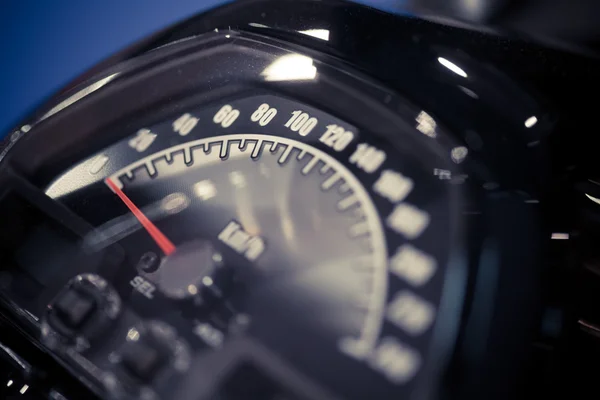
(257, 205)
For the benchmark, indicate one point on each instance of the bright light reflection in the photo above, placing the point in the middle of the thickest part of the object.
(531, 121)
(560, 236)
(205, 189)
(322, 34)
(452, 67)
(133, 335)
(469, 92)
(24, 389)
(291, 67)
(9, 383)
(79, 95)
(459, 154)
(426, 124)
(594, 199)
(193, 290)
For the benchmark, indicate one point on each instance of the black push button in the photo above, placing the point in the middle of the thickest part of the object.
(74, 308)
(80, 313)
(144, 359)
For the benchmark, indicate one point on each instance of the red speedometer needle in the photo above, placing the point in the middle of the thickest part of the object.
(161, 240)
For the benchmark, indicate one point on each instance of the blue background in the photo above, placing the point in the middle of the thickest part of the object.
(44, 44)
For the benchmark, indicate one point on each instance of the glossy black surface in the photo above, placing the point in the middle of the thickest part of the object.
(518, 171)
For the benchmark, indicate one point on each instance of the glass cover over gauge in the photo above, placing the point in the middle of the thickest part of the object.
(286, 208)
(267, 215)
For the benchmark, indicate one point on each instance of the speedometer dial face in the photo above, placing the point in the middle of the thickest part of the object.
(264, 217)
(283, 198)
